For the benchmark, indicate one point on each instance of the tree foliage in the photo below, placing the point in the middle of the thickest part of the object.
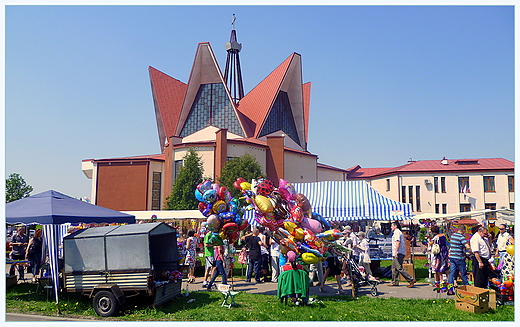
(190, 175)
(16, 188)
(245, 166)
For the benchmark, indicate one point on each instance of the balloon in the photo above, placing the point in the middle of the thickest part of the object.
(222, 193)
(291, 256)
(297, 214)
(243, 225)
(310, 258)
(324, 223)
(198, 195)
(233, 237)
(234, 205)
(214, 239)
(245, 186)
(298, 234)
(510, 249)
(227, 216)
(264, 187)
(263, 204)
(215, 186)
(287, 187)
(230, 228)
(311, 224)
(289, 226)
(304, 203)
(204, 186)
(219, 206)
(213, 223)
(210, 196)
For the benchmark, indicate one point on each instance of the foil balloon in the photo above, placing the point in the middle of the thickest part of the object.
(243, 225)
(222, 193)
(510, 249)
(304, 203)
(213, 223)
(219, 207)
(230, 228)
(311, 224)
(263, 204)
(198, 195)
(210, 196)
(204, 186)
(227, 216)
(310, 258)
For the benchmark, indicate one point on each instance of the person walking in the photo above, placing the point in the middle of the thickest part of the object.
(209, 262)
(482, 252)
(439, 262)
(254, 243)
(398, 253)
(220, 262)
(191, 255)
(333, 269)
(18, 243)
(34, 253)
(457, 257)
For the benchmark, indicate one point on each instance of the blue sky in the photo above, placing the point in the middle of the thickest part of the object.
(388, 83)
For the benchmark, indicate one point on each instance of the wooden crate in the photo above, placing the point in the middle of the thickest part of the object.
(471, 308)
(410, 269)
(472, 295)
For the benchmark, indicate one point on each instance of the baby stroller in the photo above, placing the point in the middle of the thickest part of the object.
(358, 278)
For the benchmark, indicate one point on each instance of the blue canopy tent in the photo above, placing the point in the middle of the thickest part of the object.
(347, 201)
(52, 209)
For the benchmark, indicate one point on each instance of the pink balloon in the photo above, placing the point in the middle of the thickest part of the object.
(311, 224)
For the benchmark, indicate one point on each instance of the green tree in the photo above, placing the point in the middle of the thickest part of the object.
(245, 166)
(16, 188)
(190, 175)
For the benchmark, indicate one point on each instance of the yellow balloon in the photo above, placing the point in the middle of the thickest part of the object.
(510, 249)
(263, 204)
(298, 234)
(310, 258)
(289, 226)
(245, 186)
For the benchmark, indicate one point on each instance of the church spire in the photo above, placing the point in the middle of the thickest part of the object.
(233, 74)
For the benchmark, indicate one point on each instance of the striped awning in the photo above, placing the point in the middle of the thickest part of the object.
(352, 200)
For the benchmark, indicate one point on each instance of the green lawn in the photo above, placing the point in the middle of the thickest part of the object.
(255, 307)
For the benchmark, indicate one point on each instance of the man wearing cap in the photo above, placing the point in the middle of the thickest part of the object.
(398, 253)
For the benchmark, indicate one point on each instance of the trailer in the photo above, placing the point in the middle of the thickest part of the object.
(111, 263)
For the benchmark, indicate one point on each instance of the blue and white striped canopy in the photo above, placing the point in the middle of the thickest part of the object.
(347, 200)
(351, 200)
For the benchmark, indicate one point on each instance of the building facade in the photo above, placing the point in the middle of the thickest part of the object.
(445, 186)
(211, 114)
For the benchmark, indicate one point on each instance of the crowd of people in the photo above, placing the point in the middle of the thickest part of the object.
(486, 252)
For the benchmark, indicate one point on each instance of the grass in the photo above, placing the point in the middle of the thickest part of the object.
(254, 307)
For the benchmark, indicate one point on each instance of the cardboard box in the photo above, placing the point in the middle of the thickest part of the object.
(471, 308)
(493, 299)
(410, 269)
(472, 295)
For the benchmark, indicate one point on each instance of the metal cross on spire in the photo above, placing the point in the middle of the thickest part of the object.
(232, 73)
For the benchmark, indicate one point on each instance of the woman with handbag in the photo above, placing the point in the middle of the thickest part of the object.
(439, 251)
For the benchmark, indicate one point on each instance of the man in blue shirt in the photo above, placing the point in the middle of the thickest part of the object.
(458, 246)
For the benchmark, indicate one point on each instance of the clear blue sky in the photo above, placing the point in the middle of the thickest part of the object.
(388, 83)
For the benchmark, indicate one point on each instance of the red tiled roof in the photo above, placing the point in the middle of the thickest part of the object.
(481, 164)
(168, 94)
(306, 108)
(256, 104)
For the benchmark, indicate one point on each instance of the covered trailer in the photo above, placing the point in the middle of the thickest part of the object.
(112, 262)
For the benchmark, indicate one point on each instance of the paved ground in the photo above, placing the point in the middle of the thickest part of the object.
(419, 291)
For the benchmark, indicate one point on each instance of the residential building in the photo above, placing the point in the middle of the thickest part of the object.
(445, 186)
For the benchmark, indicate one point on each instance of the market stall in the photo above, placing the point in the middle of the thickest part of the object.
(53, 209)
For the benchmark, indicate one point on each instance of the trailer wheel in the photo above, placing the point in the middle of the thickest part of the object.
(105, 303)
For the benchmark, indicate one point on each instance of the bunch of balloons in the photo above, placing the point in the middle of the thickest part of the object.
(222, 211)
(288, 215)
(506, 287)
